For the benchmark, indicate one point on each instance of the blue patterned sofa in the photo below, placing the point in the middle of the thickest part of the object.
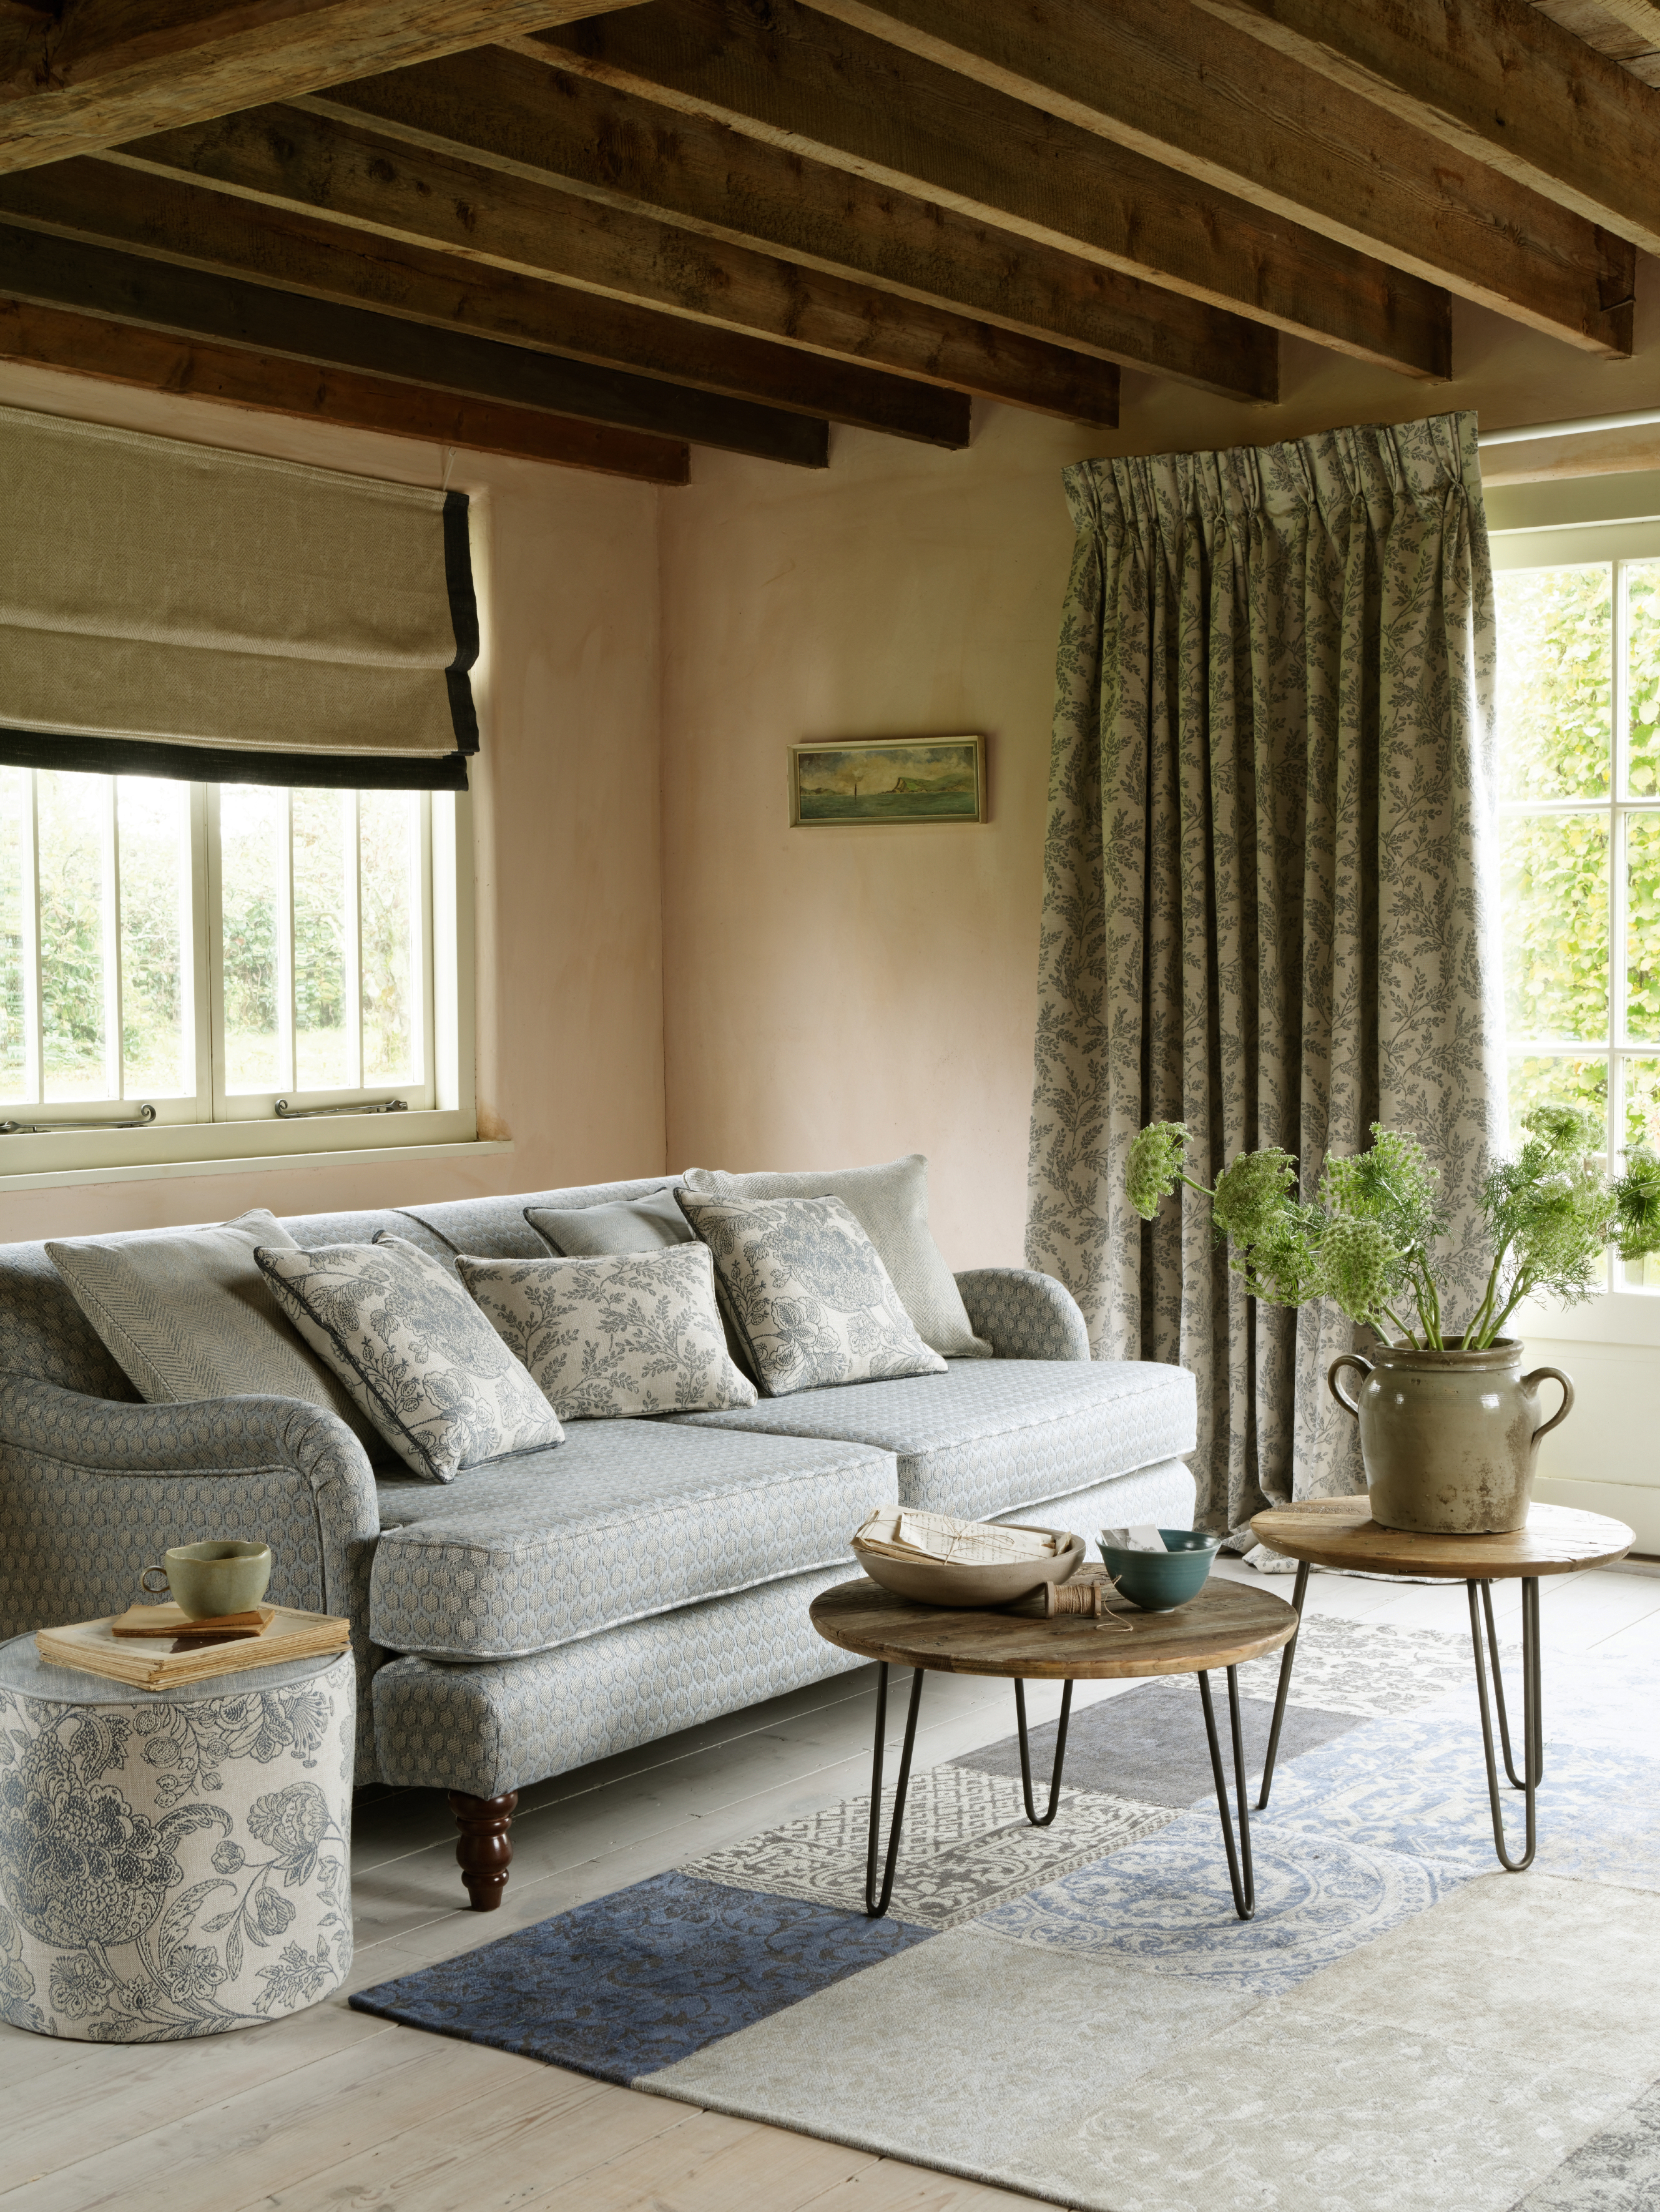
(558, 1606)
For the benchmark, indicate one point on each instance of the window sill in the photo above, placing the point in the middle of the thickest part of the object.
(1610, 1317)
(267, 1163)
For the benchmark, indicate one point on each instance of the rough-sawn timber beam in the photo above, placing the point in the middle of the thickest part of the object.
(1199, 95)
(546, 126)
(76, 74)
(1499, 80)
(123, 352)
(301, 163)
(168, 221)
(829, 94)
(95, 280)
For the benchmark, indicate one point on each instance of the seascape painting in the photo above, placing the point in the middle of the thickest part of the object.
(889, 779)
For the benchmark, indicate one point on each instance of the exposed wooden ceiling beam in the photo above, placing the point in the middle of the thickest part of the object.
(159, 295)
(547, 127)
(123, 352)
(831, 94)
(1642, 16)
(164, 219)
(76, 74)
(1168, 80)
(1498, 80)
(282, 158)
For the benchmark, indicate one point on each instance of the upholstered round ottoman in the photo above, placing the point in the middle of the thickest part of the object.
(173, 1862)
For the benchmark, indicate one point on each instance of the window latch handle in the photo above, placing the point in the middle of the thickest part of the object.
(287, 1113)
(142, 1120)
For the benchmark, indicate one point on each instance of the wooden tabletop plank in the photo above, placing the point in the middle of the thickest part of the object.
(1340, 1532)
(1225, 1625)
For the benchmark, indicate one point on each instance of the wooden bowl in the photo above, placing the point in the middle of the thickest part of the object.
(940, 1582)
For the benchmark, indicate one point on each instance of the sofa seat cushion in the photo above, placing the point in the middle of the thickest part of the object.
(989, 1436)
(627, 1519)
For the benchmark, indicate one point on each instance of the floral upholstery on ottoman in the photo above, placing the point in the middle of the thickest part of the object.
(625, 1520)
(989, 1436)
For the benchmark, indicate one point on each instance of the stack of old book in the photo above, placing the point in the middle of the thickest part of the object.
(155, 1647)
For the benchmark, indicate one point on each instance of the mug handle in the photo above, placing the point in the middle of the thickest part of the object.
(1353, 1359)
(1551, 1375)
(144, 1582)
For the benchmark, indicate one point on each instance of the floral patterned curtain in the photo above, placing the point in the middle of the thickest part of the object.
(1268, 907)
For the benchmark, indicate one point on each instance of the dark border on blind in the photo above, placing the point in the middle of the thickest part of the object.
(463, 620)
(225, 764)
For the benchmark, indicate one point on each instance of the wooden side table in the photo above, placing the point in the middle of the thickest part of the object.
(1223, 1626)
(1340, 1532)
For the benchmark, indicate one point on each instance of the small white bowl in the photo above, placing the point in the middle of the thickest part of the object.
(943, 1582)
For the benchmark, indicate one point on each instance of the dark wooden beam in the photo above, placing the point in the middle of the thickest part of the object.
(1168, 80)
(827, 93)
(76, 74)
(163, 219)
(504, 111)
(286, 159)
(1497, 80)
(123, 353)
(95, 280)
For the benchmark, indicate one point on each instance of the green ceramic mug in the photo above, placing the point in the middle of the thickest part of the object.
(206, 1580)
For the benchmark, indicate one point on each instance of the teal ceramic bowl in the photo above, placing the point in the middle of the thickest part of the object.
(1158, 1582)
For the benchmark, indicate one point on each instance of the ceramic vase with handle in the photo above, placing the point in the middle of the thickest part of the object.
(1449, 1440)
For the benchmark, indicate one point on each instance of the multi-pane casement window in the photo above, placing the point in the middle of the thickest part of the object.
(193, 958)
(1580, 783)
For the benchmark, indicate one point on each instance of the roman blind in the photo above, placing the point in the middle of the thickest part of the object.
(169, 608)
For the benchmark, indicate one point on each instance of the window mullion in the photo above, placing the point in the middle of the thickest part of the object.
(207, 939)
(354, 948)
(34, 1068)
(424, 1006)
(285, 954)
(114, 1057)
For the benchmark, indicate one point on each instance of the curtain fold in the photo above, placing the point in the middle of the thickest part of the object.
(1268, 905)
(169, 608)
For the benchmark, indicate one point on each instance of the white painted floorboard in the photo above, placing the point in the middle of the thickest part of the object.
(334, 2109)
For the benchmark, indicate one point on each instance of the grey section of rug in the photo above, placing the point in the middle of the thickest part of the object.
(1149, 1744)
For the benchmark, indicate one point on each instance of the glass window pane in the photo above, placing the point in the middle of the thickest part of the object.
(324, 1044)
(1642, 1128)
(252, 832)
(1554, 902)
(1555, 682)
(75, 890)
(1642, 677)
(389, 849)
(1541, 1079)
(14, 867)
(1643, 925)
(153, 825)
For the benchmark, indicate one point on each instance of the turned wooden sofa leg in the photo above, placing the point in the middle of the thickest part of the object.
(482, 1851)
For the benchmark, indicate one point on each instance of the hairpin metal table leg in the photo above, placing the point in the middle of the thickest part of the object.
(1286, 1658)
(1244, 1891)
(875, 1906)
(1026, 1754)
(1516, 1781)
(1533, 1729)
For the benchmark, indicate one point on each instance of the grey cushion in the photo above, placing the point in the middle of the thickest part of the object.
(807, 1292)
(640, 1224)
(189, 1315)
(891, 1205)
(604, 1338)
(988, 1437)
(414, 1350)
(626, 1520)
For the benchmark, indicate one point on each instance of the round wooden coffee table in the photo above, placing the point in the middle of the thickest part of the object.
(1340, 1532)
(1225, 1625)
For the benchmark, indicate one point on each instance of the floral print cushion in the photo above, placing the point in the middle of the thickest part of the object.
(605, 1338)
(807, 1293)
(415, 1352)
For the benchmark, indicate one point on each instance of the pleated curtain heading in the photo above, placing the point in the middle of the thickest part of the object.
(1270, 892)
(174, 609)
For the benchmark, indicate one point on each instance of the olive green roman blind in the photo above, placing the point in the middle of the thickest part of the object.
(168, 609)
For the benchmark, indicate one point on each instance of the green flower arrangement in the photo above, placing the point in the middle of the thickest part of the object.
(1368, 1241)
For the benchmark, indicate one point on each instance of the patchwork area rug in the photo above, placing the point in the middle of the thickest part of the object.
(1076, 2013)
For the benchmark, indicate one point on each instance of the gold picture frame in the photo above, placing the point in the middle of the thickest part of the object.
(887, 780)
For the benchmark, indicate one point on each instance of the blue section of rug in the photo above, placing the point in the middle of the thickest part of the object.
(641, 1978)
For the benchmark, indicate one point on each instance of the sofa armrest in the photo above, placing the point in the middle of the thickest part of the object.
(92, 1492)
(1023, 1314)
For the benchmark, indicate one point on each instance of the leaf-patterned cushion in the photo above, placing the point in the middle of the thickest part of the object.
(807, 1293)
(415, 1352)
(607, 1338)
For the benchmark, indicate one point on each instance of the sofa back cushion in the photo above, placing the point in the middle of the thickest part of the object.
(45, 1335)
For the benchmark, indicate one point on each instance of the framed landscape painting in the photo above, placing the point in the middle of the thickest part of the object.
(888, 779)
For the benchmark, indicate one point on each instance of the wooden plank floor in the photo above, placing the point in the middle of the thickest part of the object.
(334, 2109)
